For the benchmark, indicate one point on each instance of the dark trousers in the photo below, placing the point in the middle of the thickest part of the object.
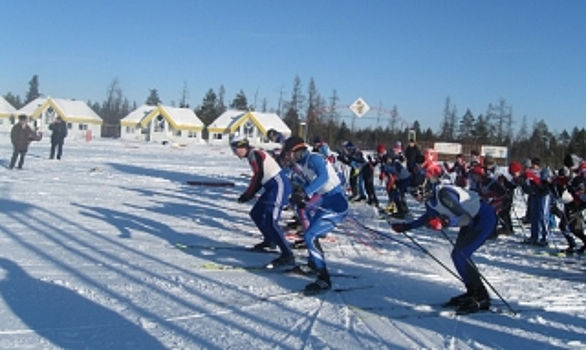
(470, 238)
(15, 155)
(59, 147)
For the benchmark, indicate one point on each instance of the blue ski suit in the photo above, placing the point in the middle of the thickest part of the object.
(476, 219)
(327, 206)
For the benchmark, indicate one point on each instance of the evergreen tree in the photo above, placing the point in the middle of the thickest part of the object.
(416, 128)
(14, 100)
(466, 128)
(240, 102)
(208, 111)
(33, 89)
(482, 130)
(153, 98)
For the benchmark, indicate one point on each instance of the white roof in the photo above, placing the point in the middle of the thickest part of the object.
(267, 120)
(138, 114)
(180, 116)
(226, 119)
(69, 108)
(76, 109)
(6, 109)
(32, 106)
(272, 121)
(183, 116)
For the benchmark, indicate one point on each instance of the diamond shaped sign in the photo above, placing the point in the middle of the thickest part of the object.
(359, 107)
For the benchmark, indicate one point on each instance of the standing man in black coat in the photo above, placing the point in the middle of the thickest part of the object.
(59, 129)
(411, 153)
(21, 136)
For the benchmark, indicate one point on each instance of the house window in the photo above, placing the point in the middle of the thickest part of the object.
(178, 133)
(82, 127)
(159, 123)
(248, 129)
(129, 130)
(192, 134)
(217, 136)
(49, 116)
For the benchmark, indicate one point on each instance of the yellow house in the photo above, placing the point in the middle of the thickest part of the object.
(7, 115)
(162, 124)
(254, 125)
(82, 121)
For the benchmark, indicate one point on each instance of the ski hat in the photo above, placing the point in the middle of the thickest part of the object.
(294, 143)
(515, 167)
(317, 139)
(22, 117)
(434, 170)
(398, 147)
(239, 141)
(348, 145)
(572, 161)
(380, 149)
(489, 161)
(582, 168)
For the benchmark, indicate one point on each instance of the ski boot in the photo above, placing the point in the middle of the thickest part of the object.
(321, 284)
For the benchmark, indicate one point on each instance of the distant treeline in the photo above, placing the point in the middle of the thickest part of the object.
(310, 114)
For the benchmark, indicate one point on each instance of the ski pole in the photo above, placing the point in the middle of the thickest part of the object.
(471, 264)
(382, 234)
(422, 248)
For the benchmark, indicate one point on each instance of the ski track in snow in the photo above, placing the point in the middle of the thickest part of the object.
(88, 259)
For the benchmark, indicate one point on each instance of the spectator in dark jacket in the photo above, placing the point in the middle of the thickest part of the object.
(411, 153)
(59, 129)
(21, 136)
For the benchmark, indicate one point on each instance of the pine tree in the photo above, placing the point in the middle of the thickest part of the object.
(33, 90)
(153, 98)
(14, 100)
(240, 102)
(466, 128)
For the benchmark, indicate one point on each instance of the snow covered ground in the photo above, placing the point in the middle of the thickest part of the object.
(88, 259)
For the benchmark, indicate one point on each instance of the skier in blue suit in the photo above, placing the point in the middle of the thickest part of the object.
(476, 219)
(323, 199)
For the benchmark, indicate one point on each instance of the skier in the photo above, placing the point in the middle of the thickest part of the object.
(265, 213)
(535, 181)
(354, 158)
(324, 201)
(476, 219)
(571, 193)
(494, 192)
(459, 169)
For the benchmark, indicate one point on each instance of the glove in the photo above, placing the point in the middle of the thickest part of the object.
(446, 221)
(399, 227)
(245, 197)
(298, 199)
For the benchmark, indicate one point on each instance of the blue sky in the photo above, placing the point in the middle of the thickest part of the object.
(412, 54)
